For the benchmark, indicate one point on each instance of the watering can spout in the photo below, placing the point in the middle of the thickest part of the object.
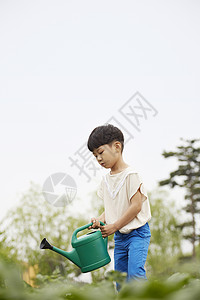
(45, 244)
(72, 255)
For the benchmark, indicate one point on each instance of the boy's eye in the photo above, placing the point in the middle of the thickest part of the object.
(98, 153)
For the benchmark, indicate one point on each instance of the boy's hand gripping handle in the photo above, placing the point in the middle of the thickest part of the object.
(74, 235)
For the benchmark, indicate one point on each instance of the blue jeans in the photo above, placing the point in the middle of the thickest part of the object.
(131, 250)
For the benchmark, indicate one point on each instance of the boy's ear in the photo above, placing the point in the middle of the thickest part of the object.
(118, 146)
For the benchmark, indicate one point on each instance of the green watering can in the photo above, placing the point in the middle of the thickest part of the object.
(90, 250)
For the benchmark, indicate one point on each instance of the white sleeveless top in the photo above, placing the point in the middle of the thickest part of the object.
(116, 191)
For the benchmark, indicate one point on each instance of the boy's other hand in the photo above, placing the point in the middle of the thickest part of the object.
(96, 224)
(107, 230)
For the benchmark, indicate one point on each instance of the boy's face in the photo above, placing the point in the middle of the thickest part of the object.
(108, 154)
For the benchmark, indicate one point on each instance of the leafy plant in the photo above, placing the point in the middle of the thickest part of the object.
(179, 286)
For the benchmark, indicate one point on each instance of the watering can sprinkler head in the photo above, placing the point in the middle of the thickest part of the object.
(45, 244)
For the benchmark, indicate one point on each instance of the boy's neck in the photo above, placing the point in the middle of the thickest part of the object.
(118, 167)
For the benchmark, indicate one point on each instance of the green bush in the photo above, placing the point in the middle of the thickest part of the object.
(180, 286)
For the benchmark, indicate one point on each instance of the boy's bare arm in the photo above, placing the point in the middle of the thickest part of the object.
(128, 216)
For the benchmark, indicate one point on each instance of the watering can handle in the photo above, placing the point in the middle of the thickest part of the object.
(74, 238)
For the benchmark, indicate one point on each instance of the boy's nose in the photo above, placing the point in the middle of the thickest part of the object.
(99, 158)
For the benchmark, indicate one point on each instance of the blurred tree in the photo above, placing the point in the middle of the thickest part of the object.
(165, 244)
(188, 171)
(26, 225)
(7, 253)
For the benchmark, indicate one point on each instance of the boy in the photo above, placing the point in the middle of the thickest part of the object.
(126, 204)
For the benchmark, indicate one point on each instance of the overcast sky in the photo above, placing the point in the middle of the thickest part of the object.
(69, 66)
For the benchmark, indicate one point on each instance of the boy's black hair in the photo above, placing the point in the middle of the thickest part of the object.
(105, 134)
